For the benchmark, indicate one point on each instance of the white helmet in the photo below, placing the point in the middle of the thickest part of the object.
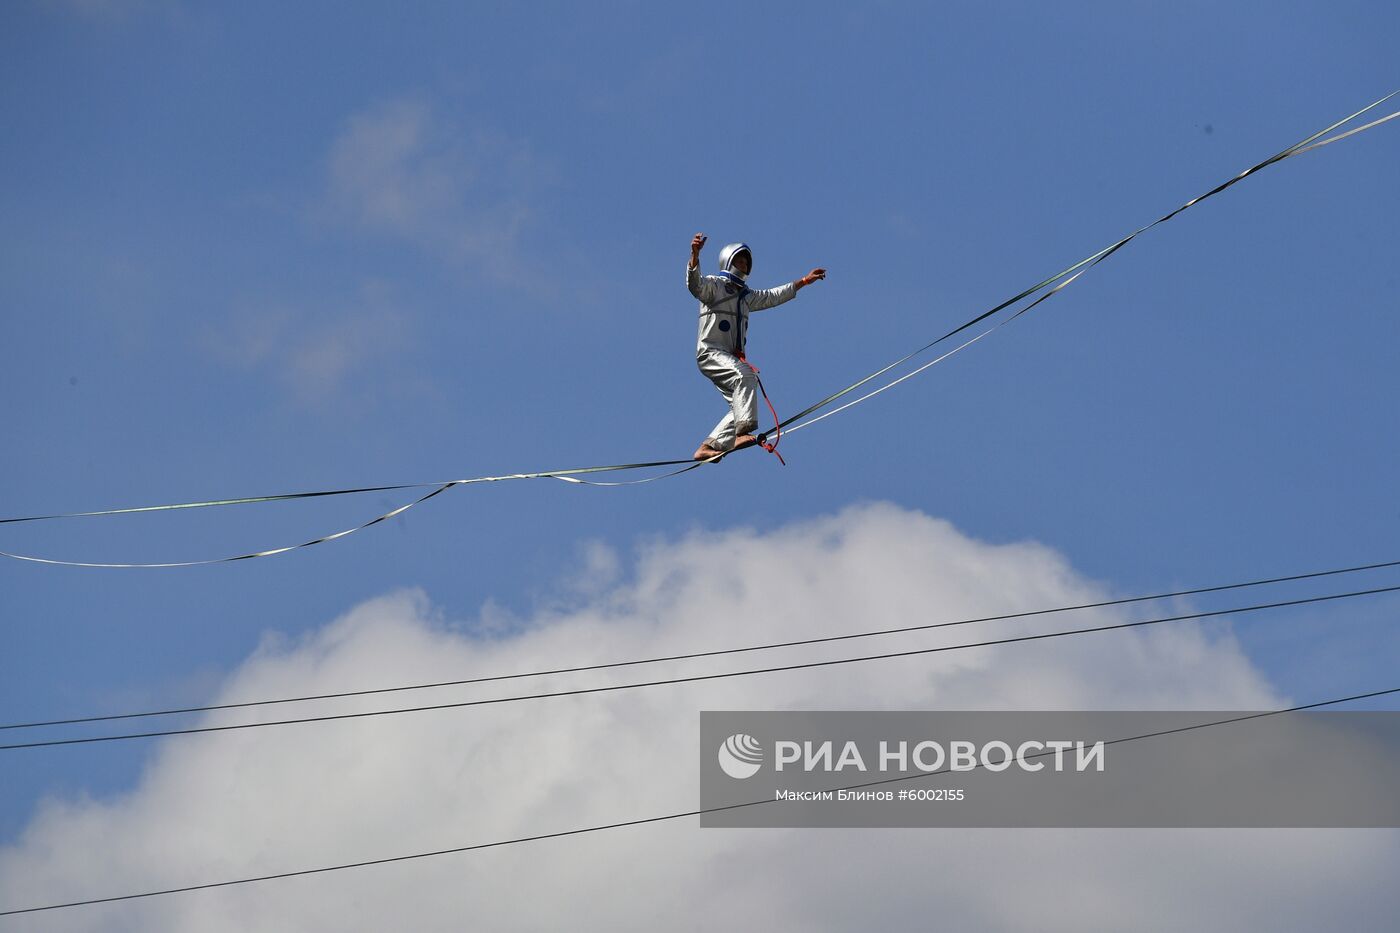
(730, 253)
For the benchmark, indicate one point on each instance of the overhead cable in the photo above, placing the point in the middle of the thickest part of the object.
(714, 652)
(696, 678)
(642, 821)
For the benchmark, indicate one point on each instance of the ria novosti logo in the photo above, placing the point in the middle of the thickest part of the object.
(741, 756)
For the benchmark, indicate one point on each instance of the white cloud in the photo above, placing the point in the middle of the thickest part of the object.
(401, 169)
(269, 800)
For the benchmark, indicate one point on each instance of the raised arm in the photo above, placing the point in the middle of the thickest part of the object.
(697, 243)
(693, 279)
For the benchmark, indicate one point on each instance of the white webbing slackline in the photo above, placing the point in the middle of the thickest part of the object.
(1048, 286)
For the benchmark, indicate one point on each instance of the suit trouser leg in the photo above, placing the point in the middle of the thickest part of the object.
(738, 383)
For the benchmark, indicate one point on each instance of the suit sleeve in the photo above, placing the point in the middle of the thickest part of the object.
(700, 285)
(766, 298)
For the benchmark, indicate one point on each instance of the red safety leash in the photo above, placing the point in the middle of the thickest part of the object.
(777, 425)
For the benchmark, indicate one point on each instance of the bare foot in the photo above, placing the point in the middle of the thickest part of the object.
(706, 452)
(744, 440)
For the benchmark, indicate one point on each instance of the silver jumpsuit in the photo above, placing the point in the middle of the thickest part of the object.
(725, 303)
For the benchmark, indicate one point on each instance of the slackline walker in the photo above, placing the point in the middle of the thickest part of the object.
(725, 303)
(737, 253)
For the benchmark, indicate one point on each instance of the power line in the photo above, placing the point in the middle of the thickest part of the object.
(696, 678)
(650, 819)
(700, 654)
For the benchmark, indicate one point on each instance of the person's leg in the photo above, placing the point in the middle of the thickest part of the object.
(743, 402)
(737, 382)
(722, 432)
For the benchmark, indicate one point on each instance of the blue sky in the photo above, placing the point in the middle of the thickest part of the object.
(285, 248)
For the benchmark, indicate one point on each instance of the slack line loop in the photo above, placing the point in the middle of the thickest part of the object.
(777, 425)
(1053, 283)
